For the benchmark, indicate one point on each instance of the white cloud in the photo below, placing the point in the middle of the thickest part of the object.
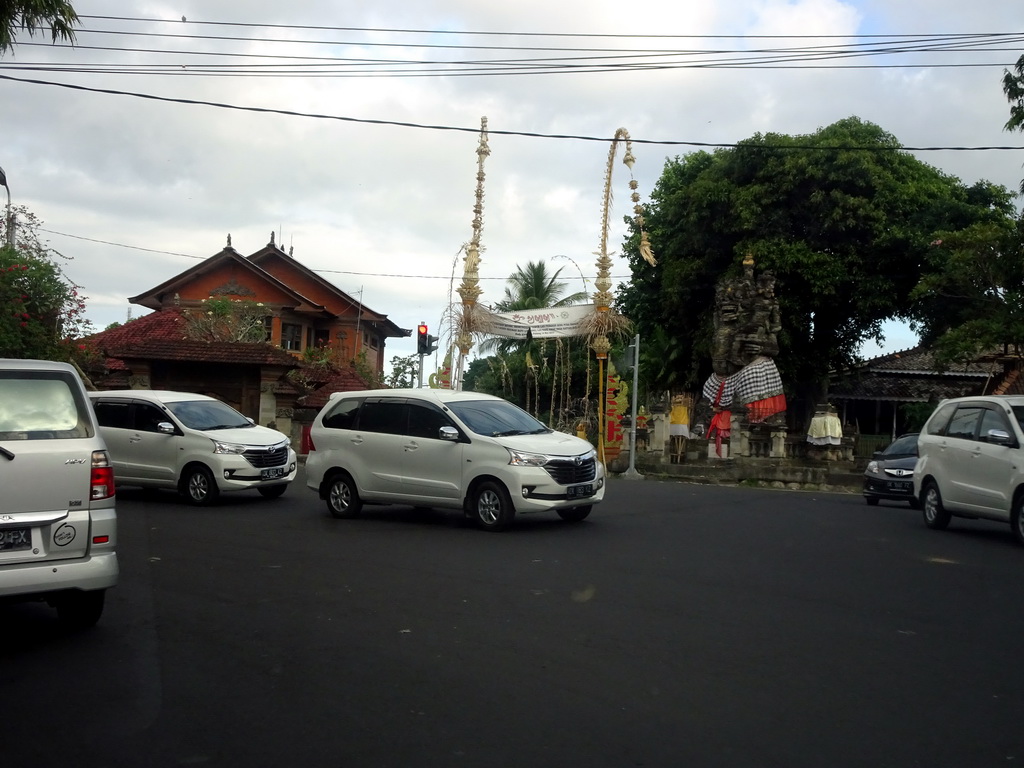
(368, 204)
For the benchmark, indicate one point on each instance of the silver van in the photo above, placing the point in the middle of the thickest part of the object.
(58, 524)
(971, 462)
(191, 443)
(450, 450)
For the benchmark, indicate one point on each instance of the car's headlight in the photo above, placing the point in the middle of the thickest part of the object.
(523, 459)
(872, 468)
(235, 448)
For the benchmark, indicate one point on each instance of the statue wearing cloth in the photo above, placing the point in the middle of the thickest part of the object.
(746, 326)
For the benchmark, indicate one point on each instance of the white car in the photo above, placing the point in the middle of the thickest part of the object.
(191, 443)
(451, 450)
(971, 462)
(58, 523)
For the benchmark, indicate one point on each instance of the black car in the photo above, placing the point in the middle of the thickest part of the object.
(890, 473)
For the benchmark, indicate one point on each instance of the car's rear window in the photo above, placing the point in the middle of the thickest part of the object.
(41, 405)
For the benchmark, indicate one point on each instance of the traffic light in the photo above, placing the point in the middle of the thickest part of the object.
(425, 343)
(422, 340)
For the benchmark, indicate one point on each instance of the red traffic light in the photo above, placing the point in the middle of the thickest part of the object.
(422, 340)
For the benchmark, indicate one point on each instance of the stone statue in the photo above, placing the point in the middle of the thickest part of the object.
(747, 322)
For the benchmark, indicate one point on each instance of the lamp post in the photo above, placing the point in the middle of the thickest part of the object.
(10, 214)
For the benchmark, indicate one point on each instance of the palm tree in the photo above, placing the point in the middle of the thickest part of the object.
(531, 287)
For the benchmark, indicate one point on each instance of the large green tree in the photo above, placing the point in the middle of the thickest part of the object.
(36, 15)
(843, 217)
(42, 313)
(971, 298)
(1013, 87)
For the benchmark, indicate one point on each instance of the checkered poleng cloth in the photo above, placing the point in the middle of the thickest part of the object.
(757, 381)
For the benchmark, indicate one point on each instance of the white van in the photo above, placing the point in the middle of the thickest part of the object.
(191, 443)
(58, 523)
(971, 462)
(450, 450)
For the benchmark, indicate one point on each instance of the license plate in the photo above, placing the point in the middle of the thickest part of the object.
(13, 539)
(898, 485)
(271, 474)
(579, 491)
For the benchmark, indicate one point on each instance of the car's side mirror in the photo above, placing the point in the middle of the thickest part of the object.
(999, 437)
(448, 433)
(165, 428)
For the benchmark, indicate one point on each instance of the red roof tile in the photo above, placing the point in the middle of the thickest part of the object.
(161, 336)
(346, 380)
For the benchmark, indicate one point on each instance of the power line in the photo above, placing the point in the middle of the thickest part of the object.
(493, 132)
(319, 271)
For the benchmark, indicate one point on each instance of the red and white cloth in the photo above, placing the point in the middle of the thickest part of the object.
(757, 386)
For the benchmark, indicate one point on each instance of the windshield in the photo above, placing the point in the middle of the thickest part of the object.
(208, 414)
(902, 446)
(496, 418)
(1018, 411)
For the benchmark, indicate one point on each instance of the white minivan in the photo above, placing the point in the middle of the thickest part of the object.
(971, 462)
(191, 443)
(451, 450)
(58, 518)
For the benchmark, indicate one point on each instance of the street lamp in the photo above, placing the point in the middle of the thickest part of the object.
(10, 213)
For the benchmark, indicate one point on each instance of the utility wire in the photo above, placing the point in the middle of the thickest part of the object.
(319, 271)
(496, 132)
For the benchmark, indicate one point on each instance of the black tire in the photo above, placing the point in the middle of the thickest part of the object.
(272, 491)
(198, 486)
(80, 610)
(871, 500)
(342, 496)
(575, 514)
(1017, 518)
(491, 506)
(935, 515)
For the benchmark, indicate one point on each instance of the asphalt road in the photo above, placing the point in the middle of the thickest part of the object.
(680, 625)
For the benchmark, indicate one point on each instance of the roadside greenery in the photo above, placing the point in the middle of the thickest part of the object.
(33, 16)
(42, 312)
(844, 218)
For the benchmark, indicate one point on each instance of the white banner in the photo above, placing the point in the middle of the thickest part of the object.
(551, 323)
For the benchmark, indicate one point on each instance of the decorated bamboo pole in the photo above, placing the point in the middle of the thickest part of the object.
(469, 289)
(606, 320)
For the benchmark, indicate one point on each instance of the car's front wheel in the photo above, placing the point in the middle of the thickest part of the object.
(491, 506)
(575, 514)
(1017, 518)
(199, 486)
(342, 496)
(935, 515)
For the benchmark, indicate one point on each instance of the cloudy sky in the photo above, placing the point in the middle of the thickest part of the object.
(350, 129)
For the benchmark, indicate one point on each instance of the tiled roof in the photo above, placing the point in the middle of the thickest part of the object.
(161, 336)
(910, 376)
(922, 360)
(346, 380)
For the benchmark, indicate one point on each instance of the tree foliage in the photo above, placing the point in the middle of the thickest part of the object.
(544, 376)
(42, 313)
(971, 297)
(1013, 87)
(843, 217)
(36, 15)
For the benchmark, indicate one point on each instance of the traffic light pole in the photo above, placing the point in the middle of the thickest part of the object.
(631, 472)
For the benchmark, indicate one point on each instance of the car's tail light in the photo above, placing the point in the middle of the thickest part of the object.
(101, 481)
(309, 444)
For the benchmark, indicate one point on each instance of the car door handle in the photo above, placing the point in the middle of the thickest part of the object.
(410, 446)
(357, 440)
(134, 439)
